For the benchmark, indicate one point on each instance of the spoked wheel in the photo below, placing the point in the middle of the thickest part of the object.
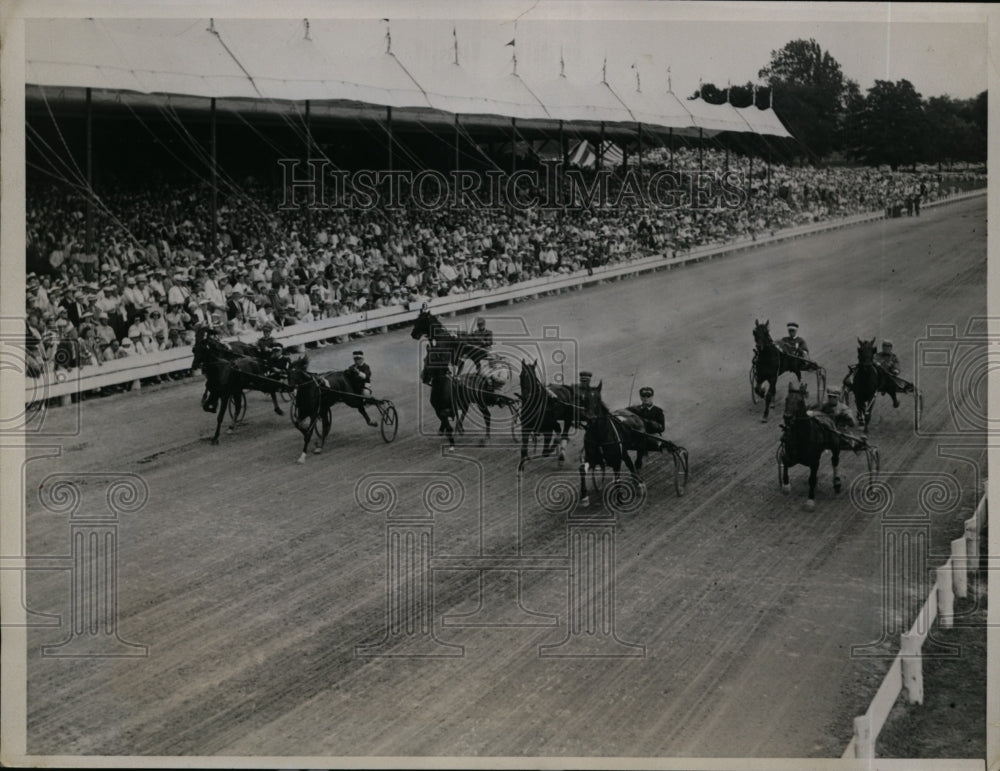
(238, 407)
(680, 470)
(753, 383)
(389, 423)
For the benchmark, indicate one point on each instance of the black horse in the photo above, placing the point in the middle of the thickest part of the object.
(315, 394)
(209, 349)
(803, 440)
(479, 390)
(226, 382)
(546, 410)
(462, 346)
(607, 441)
(770, 362)
(437, 374)
(865, 380)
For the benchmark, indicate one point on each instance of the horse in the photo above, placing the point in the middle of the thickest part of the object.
(545, 410)
(866, 380)
(475, 389)
(607, 441)
(437, 374)
(769, 362)
(315, 394)
(227, 380)
(459, 347)
(208, 349)
(803, 441)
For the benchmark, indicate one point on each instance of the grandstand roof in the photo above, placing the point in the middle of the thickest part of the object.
(273, 61)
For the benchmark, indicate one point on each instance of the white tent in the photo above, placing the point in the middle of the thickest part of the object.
(286, 61)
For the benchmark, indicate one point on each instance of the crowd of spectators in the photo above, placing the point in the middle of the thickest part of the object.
(152, 276)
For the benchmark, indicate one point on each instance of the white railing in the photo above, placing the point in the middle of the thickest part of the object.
(130, 370)
(906, 673)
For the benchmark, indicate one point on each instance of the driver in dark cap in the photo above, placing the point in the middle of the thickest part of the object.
(361, 374)
(652, 418)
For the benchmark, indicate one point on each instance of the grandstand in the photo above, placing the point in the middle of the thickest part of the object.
(156, 184)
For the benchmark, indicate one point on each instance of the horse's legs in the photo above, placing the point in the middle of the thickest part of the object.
(584, 498)
(633, 469)
(786, 486)
(835, 462)
(563, 441)
(326, 420)
(486, 419)
(769, 397)
(813, 473)
(223, 404)
(307, 433)
(274, 401)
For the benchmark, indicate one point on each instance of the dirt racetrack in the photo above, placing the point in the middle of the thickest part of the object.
(251, 579)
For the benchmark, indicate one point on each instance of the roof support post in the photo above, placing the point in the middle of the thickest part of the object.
(309, 229)
(388, 128)
(89, 238)
(701, 147)
(456, 142)
(215, 186)
(640, 151)
(600, 150)
(564, 149)
(671, 167)
(513, 146)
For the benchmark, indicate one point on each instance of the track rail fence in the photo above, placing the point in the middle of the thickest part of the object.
(906, 673)
(66, 383)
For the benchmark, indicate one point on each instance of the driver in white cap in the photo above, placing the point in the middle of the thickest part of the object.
(794, 345)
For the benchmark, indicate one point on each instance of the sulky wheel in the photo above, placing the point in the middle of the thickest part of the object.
(389, 423)
(753, 383)
(238, 406)
(680, 470)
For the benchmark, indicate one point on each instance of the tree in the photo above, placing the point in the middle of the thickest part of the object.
(894, 124)
(809, 91)
(852, 128)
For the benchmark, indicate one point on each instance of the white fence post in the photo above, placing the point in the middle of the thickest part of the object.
(863, 745)
(972, 543)
(912, 666)
(946, 595)
(959, 569)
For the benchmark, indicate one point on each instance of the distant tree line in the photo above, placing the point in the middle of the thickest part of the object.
(890, 124)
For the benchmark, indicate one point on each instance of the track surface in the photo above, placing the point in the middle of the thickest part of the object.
(252, 579)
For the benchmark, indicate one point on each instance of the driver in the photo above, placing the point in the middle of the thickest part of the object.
(482, 339)
(652, 419)
(269, 349)
(361, 373)
(792, 344)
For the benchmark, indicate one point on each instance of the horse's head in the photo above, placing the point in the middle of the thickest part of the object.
(866, 351)
(762, 333)
(528, 377)
(298, 371)
(795, 402)
(592, 404)
(423, 324)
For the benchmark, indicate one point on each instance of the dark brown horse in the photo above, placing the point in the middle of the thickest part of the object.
(315, 394)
